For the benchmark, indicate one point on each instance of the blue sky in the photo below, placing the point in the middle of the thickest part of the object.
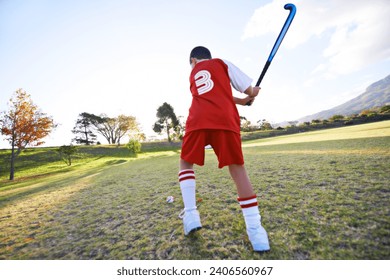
(128, 57)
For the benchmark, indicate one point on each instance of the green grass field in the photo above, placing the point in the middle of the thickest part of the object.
(322, 195)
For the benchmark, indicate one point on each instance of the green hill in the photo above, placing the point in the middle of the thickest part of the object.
(376, 95)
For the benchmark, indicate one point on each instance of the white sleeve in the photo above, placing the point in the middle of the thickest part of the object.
(239, 80)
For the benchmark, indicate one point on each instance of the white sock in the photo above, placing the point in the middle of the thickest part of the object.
(250, 210)
(187, 186)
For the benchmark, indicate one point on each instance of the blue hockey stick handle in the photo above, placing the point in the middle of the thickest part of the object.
(279, 40)
(283, 32)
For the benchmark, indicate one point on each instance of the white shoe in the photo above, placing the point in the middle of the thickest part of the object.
(259, 238)
(191, 221)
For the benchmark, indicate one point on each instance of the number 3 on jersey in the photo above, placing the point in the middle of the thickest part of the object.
(203, 81)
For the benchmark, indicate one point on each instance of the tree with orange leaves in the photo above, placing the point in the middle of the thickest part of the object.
(24, 124)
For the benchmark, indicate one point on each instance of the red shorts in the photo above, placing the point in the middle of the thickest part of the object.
(226, 145)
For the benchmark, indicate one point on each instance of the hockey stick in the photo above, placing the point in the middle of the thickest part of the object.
(279, 40)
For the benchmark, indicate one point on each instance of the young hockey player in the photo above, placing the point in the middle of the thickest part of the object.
(214, 120)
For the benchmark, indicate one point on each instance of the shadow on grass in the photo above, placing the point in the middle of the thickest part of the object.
(45, 184)
(115, 162)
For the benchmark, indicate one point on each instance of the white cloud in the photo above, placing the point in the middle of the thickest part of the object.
(357, 31)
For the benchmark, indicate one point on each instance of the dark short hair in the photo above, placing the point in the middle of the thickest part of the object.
(200, 53)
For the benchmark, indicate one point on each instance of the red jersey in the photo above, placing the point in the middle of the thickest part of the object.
(212, 105)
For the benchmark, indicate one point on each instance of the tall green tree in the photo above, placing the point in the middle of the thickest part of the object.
(84, 129)
(113, 129)
(167, 120)
(264, 125)
(244, 124)
(24, 124)
(179, 130)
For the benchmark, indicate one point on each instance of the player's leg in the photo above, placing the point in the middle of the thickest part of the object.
(191, 218)
(191, 153)
(187, 185)
(250, 210)
(229, 153)
(241, 180)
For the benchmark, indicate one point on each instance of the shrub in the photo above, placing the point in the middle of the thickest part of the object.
(336, 118)
(134, 146)
(385, 109)
(66, 153)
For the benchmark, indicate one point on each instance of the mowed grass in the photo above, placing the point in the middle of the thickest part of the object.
(322, 195)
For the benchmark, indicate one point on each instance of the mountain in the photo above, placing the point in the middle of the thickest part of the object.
(376, 95)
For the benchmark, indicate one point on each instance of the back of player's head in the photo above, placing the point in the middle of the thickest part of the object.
(200, 53)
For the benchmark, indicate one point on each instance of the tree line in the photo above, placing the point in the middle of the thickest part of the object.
(265, 129)
(113, 129)
(24, 124)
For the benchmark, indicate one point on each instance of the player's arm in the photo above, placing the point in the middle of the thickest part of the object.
(252, 92)
(242, 83)
(243, 101)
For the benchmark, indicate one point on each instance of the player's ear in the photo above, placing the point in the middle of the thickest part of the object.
(193, 62)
